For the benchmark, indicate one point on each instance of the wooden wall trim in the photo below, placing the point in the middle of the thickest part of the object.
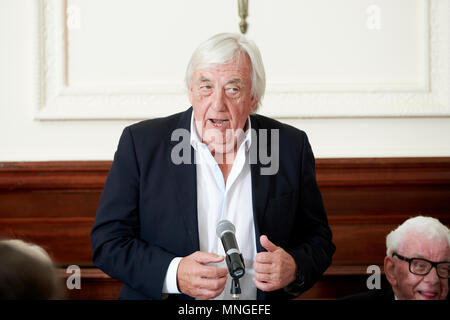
(54, 175)
(336, 282)
(95, 273)
(330, 172)
(383, 171)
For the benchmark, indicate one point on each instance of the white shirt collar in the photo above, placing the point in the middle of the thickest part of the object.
(196, 141)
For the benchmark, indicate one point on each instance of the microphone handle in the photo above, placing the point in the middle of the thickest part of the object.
(235, 263)
(234, 259)
(229, 243)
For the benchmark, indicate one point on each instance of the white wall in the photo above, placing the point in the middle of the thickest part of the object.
(358, 91)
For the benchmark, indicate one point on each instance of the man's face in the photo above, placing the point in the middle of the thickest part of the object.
(408, 286)
(222, 101)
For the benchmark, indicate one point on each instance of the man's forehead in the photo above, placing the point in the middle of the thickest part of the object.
(206, 78)
(228, 75)
(420, 246)
(239, 66)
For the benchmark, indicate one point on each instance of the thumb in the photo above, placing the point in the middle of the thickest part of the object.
(267, 244)
(204, 257)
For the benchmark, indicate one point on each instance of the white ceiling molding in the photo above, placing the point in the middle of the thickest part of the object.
(58, 99)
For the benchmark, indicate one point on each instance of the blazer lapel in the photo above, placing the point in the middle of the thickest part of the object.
(260, 188)
(260, 183)
(185, 183)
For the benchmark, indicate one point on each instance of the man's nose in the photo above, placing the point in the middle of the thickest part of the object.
(218, 102)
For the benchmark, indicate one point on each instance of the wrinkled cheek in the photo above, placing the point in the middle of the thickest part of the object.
(411, 284)
(444, 290)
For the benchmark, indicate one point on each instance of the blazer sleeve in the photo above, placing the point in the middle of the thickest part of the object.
(116, 246)
(315, 248)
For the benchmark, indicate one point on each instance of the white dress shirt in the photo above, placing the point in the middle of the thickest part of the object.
(217, 200)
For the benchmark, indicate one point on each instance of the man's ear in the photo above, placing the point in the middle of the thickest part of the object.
(389, 270)
(254, 103)
(190, 94)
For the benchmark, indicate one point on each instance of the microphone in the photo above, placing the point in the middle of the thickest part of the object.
(225, 231)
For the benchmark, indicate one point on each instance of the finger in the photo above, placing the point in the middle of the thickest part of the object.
(264, 257)
(209, 288)
(211, 284)
(205, 294)
(267, 244)
(262, 277)
(205, 257)
(212, 272)
(264, 286)
(263, 267)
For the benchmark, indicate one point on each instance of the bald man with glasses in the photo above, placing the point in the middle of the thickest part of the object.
(417, 262)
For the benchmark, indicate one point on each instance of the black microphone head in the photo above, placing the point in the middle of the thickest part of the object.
(224, 226)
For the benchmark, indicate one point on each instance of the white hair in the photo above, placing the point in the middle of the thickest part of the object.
(428, 227)
(221, 49)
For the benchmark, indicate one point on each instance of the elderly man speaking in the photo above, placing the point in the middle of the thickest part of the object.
(155, 229)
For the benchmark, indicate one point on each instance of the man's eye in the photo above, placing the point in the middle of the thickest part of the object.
(420, 265)
(233, 90)
(205, 87)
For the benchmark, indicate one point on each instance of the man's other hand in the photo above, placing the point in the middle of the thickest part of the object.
(274, 269)
(200, 281)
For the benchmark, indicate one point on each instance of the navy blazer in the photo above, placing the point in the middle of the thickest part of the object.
(147, 213)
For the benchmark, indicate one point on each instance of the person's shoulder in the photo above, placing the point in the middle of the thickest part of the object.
(157, 132)
(157, 126)
(286, 130)
(373, 295)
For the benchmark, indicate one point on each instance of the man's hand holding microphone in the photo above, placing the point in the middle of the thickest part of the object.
(273, 269)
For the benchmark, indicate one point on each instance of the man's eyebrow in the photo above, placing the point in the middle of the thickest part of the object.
(204, 79)
(419, 256)
(234, 81)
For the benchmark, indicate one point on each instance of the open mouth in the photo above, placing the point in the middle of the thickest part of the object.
(218, 122)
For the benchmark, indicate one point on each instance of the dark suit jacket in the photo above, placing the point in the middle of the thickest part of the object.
(147, 214)
(372, 295)
(386, 294)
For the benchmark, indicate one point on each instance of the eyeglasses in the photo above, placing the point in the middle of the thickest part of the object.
(422, 267)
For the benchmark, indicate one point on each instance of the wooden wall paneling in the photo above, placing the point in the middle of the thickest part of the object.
(53, 204)
(66, 239)
(49, 203)
(94, 285)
